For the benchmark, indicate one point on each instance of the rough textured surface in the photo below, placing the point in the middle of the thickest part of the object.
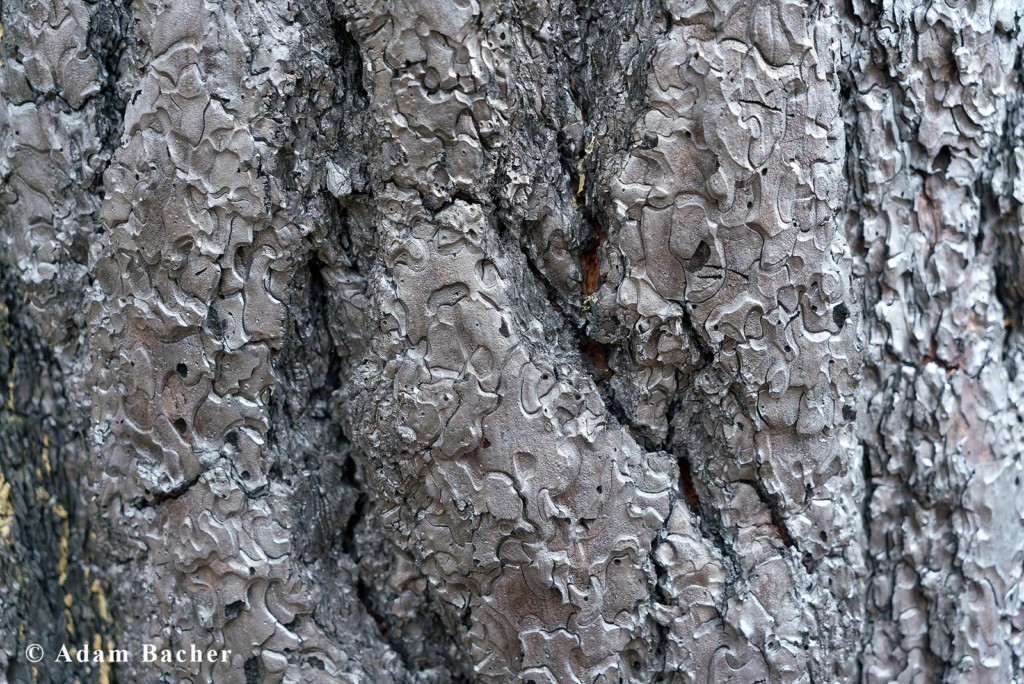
(549, 341)
(725, 298)
(934, 107)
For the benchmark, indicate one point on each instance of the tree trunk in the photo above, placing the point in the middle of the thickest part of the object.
(548, 341)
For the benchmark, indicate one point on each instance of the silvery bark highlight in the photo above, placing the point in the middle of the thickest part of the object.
(551, 341)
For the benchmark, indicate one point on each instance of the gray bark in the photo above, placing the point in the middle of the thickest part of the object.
(546, 341)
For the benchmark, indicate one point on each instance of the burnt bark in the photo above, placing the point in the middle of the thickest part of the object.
(554, 341)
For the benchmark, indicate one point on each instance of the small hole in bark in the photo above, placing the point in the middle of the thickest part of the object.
(764, 171)
(823, 536)
(253, 670)
(181, 369)
(180, 425)
(600, 489)
(750, 205)
(233, 609)
(700, 256)
(245, 475)
(840, 313)
(636, 664)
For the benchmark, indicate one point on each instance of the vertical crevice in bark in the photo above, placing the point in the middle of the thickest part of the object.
(219, 190)
(470, 383)
(683, 273)
(108, 38)
(609, 85)
(1002, 217)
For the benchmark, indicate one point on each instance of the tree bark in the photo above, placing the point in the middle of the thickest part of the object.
(553, 341)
